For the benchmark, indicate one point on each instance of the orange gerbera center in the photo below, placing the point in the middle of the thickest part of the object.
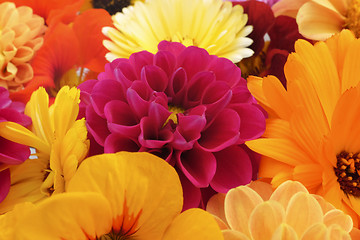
(348, 172)
(352, 20)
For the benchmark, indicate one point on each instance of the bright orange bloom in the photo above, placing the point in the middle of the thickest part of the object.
(312, 131)
(68, 53)
(254, 212)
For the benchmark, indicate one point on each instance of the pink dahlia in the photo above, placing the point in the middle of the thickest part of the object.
(10, 153)
(190, 108)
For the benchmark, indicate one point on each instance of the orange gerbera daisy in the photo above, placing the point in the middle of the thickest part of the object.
(312, 130)
(114, 196)
(319, 20)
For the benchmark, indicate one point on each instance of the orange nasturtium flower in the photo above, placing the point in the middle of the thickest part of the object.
(312, 133)
(60, 143)
(114, 196)
(254, 212)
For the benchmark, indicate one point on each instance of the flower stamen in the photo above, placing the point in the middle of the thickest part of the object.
(347, 171)
(352, 20)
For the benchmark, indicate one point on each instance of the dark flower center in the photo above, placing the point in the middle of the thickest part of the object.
(112, 6)
(113, 236)
(347, 171)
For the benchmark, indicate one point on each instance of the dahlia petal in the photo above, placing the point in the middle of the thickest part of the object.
(105, 91)
(193, 224)
(234, 235)
(215, 206)
(166, 61)
(137, 104)
(286, 190)
(5, 183)
(226, 71)
(252, 121)
(241, 94)
(239, 204)
(197, 165)
(197, 84)
(262, 188)
(13, 153)
(216, 97)
(284, 232)
(193, 60)
(155, 77)
(188, 131)
(316, 231)
(275, 215)
(336, 232)
(96, 125)
(340, 218)
(124, 73)
(166, 153)
(117, 142)
(233, 168)
(222, 132)
(192, 194)
(12, 115)
(177, 87)
(5, 101)
(139, 60)
(173, 47)
(303, 211)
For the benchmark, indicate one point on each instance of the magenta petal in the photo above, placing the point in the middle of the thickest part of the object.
(234, 168)
(241, 94)
(177, 87)
(222, 132)
(105, 91)
(127, 72)
(117, 142)
(216, 97)
(252, 121)
(188, 131)
(4, 184)
(4, 98)
(13, 153)
(193, 60)
(166, 153)
(11, 115)
(197, 165)
(192, 194)
(96, 125)
(166, 61)
(172, 47)
(155, 77)
(226, 71)
(139, 60)
(197, 85)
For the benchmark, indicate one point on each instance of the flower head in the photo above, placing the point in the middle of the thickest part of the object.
(21, 36)
(59, 142)
(11, 153)
(311, 133)
(114, 196)
(191, 108)
(255, 212)
(213, 25)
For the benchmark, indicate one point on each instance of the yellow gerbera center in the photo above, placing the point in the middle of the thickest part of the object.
(352, 20)
(348, 172)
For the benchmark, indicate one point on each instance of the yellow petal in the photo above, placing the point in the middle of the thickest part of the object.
(284, 232)
(286, 191)
(338, 217)
(303, 211)
(193, 224)
(144, 191)
(265, 219)
(287, 7)
(71, 216)
(335, 232)
(239, 204)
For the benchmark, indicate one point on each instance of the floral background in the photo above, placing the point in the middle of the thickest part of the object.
(179, 119)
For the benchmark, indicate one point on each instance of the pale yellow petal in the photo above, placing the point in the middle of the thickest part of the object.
(335, 232)
(265, 219)
(239, 204)
(284, 232)
(215, 206)
(194, 224)
(234, 235)
(338, 217)
(317, 231)
(262, 188)
(286, 191)
(287, 7)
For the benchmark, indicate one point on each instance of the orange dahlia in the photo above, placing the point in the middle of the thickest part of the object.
(21, 36)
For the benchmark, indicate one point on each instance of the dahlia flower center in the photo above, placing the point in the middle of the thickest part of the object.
(174, 111)
(111, 6)
(352, 20)
(348, 172)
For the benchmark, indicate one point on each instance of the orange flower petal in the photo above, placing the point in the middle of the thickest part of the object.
(284, 232)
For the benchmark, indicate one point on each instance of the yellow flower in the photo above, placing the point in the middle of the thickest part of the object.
(290, 212)
(114, 196)
(214, 25)
(312, 131)
(60, 143)
(21, 36)
(319, 20)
